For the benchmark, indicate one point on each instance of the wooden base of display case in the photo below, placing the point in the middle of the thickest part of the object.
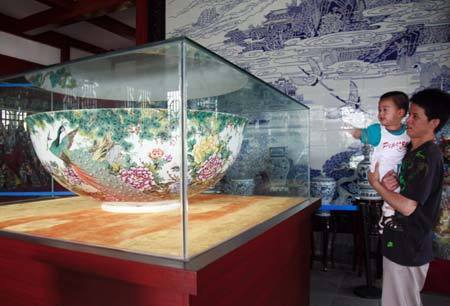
(437, 277)
(271, 268)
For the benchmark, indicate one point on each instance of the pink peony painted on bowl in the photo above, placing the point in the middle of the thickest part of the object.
(130, 158)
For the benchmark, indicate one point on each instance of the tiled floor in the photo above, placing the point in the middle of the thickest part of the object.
(335, 288)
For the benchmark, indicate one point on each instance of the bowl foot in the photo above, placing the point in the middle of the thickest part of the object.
(140, 207)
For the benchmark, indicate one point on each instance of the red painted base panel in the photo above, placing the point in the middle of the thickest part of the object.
(437, 277)
(269, 270)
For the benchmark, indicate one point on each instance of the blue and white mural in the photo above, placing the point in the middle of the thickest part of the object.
(336, 56)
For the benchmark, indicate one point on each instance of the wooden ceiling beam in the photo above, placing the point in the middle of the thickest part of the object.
(64, 4)
(49, 38)
(103, 22)
(114, 26)
(7, 23)
(61, 41)
(81, 11)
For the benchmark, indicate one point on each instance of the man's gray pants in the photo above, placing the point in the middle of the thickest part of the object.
(401, 284)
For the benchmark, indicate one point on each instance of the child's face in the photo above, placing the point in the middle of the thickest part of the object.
(389, 114)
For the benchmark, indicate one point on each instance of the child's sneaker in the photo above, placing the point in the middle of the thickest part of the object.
(393, 224)
(389, 222)
(381, 224)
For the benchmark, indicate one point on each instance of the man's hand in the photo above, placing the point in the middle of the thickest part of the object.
(398, 202)
(390, 180)
(374, 177)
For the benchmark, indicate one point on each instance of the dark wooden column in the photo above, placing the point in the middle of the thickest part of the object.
(65, 54)
(150, 21)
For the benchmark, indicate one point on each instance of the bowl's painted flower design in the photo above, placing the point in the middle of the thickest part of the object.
(134, 155)
(139, 177)
(210, 168)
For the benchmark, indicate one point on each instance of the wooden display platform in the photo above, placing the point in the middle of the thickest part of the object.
(272, 268)
(212, 220)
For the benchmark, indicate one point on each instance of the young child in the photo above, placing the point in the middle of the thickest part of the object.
(389, 140)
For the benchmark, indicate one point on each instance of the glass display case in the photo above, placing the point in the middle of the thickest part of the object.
(166, 151)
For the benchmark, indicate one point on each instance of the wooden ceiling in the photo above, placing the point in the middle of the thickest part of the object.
(93, 26)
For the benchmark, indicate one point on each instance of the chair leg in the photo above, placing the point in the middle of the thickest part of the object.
(379, 259)
(356, 244)
(312, 255)
(354, 255)
(333, 239)
(325, 235)
(358, 238)
(333, 229)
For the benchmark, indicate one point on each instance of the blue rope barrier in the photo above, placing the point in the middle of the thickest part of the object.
(338, 207)
(16, 85)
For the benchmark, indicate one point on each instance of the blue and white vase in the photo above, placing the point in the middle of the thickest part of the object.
(323, 187)
(241, 186)
(365, 190)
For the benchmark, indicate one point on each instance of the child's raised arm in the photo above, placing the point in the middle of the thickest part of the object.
(356, 133)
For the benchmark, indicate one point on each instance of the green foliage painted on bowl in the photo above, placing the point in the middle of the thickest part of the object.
(61, 77)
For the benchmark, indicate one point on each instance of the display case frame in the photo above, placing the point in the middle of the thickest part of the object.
(200, 259)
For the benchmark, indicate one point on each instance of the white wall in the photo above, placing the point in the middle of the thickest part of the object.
(379, 45)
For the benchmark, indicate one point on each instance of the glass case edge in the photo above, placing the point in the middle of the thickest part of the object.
(308, 173)
(184, 165)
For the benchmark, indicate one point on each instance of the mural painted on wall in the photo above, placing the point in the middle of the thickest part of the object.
(336, 56)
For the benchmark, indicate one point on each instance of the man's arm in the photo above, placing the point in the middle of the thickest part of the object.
(399, 202)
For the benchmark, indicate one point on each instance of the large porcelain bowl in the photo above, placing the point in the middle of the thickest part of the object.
(130, 159)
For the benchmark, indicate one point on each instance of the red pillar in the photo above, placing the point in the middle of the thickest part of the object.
(150, 21)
